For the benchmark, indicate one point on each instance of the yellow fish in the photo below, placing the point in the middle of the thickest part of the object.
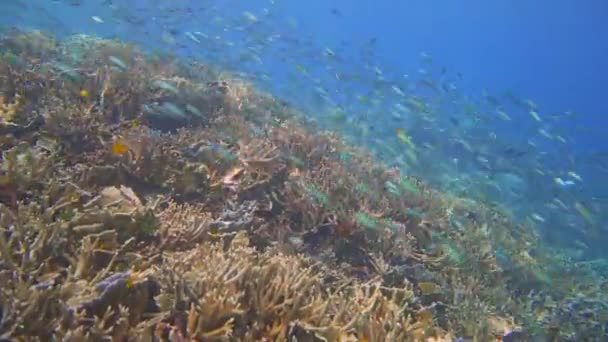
(585, 213)
(405, 138)
(119, 148)
(427, 288)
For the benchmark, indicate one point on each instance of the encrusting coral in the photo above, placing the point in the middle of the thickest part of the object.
(145, 199)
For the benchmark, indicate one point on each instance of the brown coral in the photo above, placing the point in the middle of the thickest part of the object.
(8, 110)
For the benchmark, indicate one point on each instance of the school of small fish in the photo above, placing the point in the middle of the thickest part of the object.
(498, 146)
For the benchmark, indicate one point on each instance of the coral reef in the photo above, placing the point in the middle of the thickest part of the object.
(141, 197)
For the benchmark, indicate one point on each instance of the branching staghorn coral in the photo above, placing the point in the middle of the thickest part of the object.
(22, 169)
(306, 200)
(237, 94)
(248, 296)
(114, 208)
(181, 226)
(260, 158)
(52, 289)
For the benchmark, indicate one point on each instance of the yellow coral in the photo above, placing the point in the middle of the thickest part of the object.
(8, 109)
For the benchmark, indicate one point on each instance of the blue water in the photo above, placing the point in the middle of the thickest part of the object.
(552, 53)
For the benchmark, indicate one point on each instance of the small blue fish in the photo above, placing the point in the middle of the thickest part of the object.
(515, 336)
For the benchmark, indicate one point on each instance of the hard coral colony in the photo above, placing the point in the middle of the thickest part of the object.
(203, 222)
